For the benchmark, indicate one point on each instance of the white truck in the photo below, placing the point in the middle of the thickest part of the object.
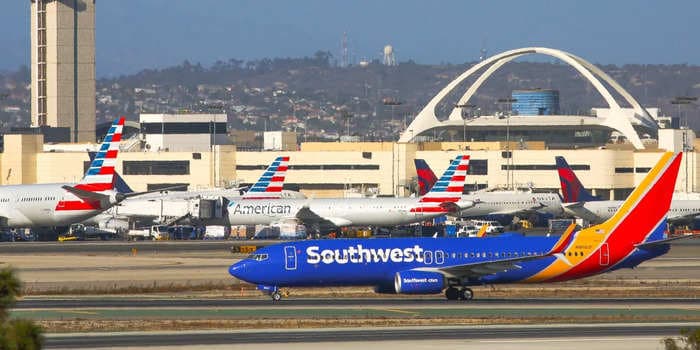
(154, 233)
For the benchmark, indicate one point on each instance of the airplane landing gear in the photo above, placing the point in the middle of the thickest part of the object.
(452, 293)
(466, 294)
(276, 295)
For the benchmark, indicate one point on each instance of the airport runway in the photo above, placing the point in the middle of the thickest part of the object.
(145, 302)
(146, 339)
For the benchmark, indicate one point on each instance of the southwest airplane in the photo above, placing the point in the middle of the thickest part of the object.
(580, 203)
(636, 233)
(511, 203)
(336, 212)
(59, 205)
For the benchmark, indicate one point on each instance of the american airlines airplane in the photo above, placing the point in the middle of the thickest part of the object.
(181, 203)
(337, 212)
(580, 203)
(496, 202)
(635, 233)
(59, 205)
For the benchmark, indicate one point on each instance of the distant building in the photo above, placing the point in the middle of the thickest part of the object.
(63, 66)
(535, 102)
(183, 132)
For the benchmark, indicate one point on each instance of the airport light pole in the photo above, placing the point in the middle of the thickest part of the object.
(509, 161)
(678, 101)
(465, 116)
(388, 101)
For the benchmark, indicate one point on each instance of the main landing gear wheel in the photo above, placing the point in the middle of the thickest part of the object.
(276, 296)
(452, 293)
(466, 294)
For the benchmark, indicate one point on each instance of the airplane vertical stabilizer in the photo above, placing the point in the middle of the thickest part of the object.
(270, 184)
(100, 174)
(571, 187)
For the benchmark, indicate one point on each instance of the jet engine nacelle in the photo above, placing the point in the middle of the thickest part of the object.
(419, 282)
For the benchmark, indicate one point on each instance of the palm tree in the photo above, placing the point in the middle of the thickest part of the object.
(10, 289)
(21, 335)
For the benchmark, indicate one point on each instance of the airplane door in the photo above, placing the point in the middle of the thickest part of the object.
(428, 257)
(604, 255)
(290, 258)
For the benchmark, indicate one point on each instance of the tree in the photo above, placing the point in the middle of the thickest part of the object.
(15, 334)
(690, 340)
(10, 289)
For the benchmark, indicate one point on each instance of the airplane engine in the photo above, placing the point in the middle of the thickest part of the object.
(419, 282)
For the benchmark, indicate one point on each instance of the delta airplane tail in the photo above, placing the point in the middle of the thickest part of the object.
(571, 187)
(426, 176)
(447, 191)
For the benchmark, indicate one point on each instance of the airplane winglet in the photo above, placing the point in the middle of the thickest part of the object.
(564, 241)
(482, 231)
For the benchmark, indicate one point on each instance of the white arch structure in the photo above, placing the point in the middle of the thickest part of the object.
(620, 119)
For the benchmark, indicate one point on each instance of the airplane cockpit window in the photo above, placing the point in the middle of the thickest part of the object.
(257, 257)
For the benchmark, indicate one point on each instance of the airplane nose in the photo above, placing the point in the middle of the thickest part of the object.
(237, 270)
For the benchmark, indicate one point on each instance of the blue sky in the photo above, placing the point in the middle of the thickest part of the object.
(135, 34)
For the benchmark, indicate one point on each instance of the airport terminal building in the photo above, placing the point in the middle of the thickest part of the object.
(513, 149)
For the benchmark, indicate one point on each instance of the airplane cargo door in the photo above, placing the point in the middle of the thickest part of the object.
(290, 257)
(604, 255)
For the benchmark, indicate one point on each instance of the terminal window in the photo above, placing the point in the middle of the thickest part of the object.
(156, 167)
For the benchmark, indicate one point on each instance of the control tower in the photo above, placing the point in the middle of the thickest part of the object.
(63, 66)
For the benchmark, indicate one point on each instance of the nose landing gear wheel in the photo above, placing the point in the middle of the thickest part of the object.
(276, 296)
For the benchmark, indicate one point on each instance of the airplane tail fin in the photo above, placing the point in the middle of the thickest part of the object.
(426, 176)
(571, 187)
(641, 218)
(447, 190)
(270, 184)
(119, 183)
(100, 176)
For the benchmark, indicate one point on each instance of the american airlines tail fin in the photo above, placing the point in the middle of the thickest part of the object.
(119, 183)
(571, 187)
(270, 184)
(448, 189)
(100, 175)
(426, 176)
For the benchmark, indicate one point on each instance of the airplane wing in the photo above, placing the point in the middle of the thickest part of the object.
(663, 241)
(483, 268)
(682, 218)
(520, 211)
(88, 195)
(307, 216)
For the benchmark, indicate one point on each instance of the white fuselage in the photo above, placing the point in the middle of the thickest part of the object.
(599, 211)
(41, 205)
(511, 203)
(339, 211)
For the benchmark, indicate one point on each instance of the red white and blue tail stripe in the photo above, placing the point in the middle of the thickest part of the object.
(447, 189)
(100, 176)
(271, 182)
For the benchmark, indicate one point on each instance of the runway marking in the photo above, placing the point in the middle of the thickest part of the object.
(413, 313)
(82, 312)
